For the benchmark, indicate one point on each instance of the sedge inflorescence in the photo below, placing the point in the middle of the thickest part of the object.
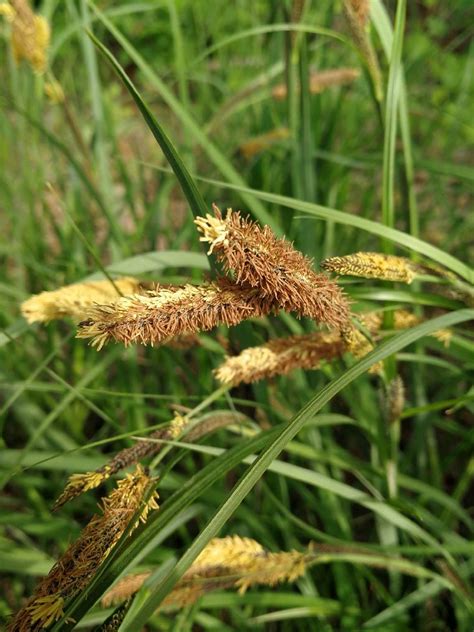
(231, 562)
(30, 34)
(256, 258)
(128, 504)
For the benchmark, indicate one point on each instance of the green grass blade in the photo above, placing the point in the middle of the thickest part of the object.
(255, 472)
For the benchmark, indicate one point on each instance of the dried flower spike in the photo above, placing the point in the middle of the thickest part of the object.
(154, 317)
(283, 275)
(75, 300)
(374, 265)
(73, 571)
(30, 35)
(280, 356)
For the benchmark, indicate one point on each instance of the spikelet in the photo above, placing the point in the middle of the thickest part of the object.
(30, 35)
(257, 258)
(280, 356)
(357, 12)
(320, 81)
(374, 265)
(262, 142)
(231, 562)
(73, 571)
(7, 11)
(75, 300)
(395, 399)
(113, 623)
(80, 483)
(154, 317)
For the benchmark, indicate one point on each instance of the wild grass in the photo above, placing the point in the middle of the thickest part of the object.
(345, 131)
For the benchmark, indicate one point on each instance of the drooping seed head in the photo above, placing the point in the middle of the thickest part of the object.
(75, 300)
(156, 316)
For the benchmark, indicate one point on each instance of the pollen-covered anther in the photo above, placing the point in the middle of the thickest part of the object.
(374, 265)
(256, 258)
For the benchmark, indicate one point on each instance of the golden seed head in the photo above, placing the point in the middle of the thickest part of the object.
(167, 312)
(30, 36)
(257, 258)
(280, 356)
(73, 571)
(54, 92)
(373, 265)
(75, 300)
(80, 483)
(231, 562)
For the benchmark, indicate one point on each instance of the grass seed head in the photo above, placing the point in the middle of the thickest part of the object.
(30, 36)
(73, 571)
(283, 275)
(373, 265)
(75, 300)
(156, 316)
(321, 81)
(280, 356)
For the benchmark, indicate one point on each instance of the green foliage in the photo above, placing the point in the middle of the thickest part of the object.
(86, 189)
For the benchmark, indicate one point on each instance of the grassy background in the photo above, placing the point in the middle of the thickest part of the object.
(87, 182)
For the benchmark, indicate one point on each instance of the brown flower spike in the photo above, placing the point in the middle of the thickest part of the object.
(257, 258)
(154, 317)
(73, 571)
(280, 356)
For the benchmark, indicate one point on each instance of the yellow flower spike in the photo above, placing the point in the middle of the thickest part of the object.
(30, 36)
(374, 265)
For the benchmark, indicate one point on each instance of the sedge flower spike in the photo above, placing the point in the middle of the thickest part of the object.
(280, 356)
(156, 316)
(257, 258)
(231, 562)
(30, 34)
(75, 568)
(75, 300)
(374, 265)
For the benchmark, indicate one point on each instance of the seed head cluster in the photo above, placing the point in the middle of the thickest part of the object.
(156, 316)
(321, 81)
(257, 258)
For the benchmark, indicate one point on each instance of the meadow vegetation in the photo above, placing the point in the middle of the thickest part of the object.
(237, 296)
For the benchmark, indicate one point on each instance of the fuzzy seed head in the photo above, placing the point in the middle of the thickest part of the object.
(75, 300)
(30, 36)
(373, 265)
(257, 258)
(156, 316)
(280, 356)
(73, 571)
(321, 81)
